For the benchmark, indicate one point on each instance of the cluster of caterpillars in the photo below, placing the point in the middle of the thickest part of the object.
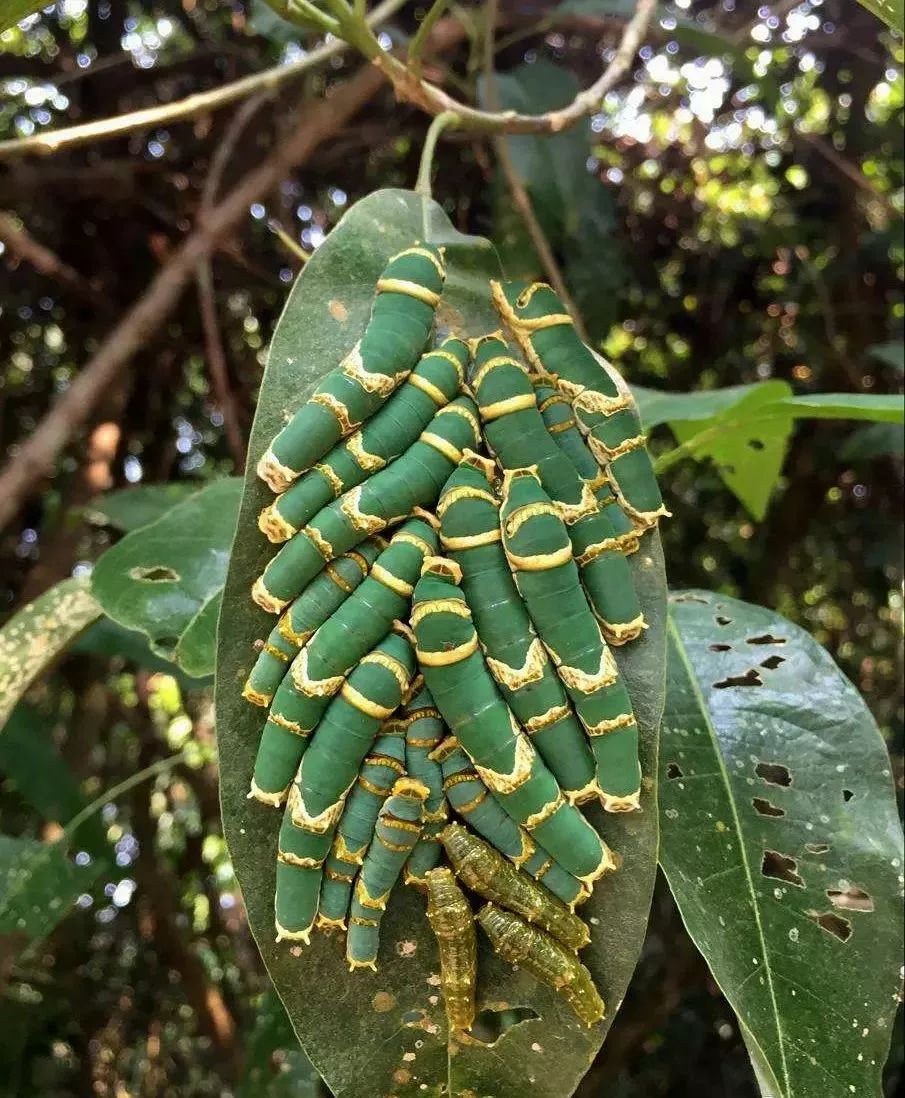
(454, 525)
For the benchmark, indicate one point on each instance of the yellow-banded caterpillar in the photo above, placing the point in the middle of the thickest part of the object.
(424, 729)
(401, 320)
(452, 922)
(524, 945)
(482, 869)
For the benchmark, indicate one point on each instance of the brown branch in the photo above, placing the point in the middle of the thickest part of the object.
(847, 170)
(23, 245)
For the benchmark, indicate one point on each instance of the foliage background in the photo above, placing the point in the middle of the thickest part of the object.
(735, 216)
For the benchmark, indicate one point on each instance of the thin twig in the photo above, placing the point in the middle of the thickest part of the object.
(419, 38)
(847, 169)
(288, 242)
(22, 244)
(425, 168)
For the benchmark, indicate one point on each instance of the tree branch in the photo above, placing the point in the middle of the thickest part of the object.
(22, 244)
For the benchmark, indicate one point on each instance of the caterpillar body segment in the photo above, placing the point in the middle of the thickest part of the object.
(556, 412)
(470, 534)
(515, 431)
(433, 383)
(539, 552)
(402, 317)
(553, 964)
(471, 799)
(539, 323)
(396, 833)
(380, 769)
(485, 871)
(327, 771)
(504, 757)
(299, 621)
(413, 480)
(452, 922)
(423, 730)
(318, 671)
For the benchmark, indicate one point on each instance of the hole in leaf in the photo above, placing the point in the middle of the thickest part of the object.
(781, 868)
(687, 598)
(833, 924)
(765, 808)
(721, 648)
(720, 620)
(816, 848)
(756, 444)
(772, 662)
(750, 678)
(157, 574)
(847, 795)
(491, 1025)
(774, 773)
(413, 1017)
(851, 898)
(674, 771)
(767, 638)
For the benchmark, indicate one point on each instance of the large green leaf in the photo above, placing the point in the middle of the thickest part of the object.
(129, 509)
(32, 639)
(165, 579)
(892, 12)
(384, 1033)
(781, 843)
(39, 883)
(14, 11)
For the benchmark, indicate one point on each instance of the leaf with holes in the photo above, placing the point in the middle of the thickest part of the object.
(385, 1032)
(32, 639)
(781, 843)
(131, 508)
(165, 579)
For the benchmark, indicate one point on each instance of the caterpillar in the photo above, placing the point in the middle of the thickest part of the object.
(423, 730)
(414, 480)
(299, 621)
(318, 670)
(540, 554)
(400, 325)
(326, 774)
(546, 335)
(470, 535)
(524, 945)
(467, 696)
(396, 832)
(471, 799)
(515, 431)
(485, 871)
(380, 769)
(431, 385)
(556, 412)
(452, 922)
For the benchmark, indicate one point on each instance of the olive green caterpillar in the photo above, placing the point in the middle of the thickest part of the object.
(516, 433)
(452, 922)
(380, 769)
(326, 774)
(524, 945)
(470, 535)
(467, 696)
(400, 325)
(540, 555)
(299, 621)
(546, 334)
(431, 385)
(414, 480)
(395, 835)
(317, 672)
(468, 795)
(424, 729)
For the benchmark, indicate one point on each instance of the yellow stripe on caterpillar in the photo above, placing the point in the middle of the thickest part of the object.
(446, 658)
(490, 412)
(437, 395)
(319, 542)
(471, 541)
(338, 410)
(365, 461)
(442, 446)
(456, 606)
(364, 705)
(409, 288)
(389, 663)
(386, 577)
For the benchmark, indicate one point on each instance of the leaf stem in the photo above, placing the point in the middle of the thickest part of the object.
(425, 169)
(419, 39)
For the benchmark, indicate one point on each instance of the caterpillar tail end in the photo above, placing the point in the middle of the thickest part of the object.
(644, 520)
(274, 800)
(353, 964)
(284, 935)
(326, 922)
(256, 697)
(585, 795)
(629, 803)
(265, 600)
(274, 527)
(275, 475)
(619, 633)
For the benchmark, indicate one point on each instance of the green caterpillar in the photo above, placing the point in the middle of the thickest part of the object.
(322, 597)
(401, 320)
(556, 412)
(546, 334)
(452, 922)
(424, 729)
(471, 799)
(381, 768)
(326, 774)
(540, 555)
(395, 835)
(467, 696)
(524, 945)
(485, 871)
(431, 385)
(470, 535)
(515, 431)
(414, 480)
(317, 672)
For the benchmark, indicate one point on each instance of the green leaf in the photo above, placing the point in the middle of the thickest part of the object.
(164, 579)
(275, 1066)
(781, 843)
(29, 758)
(358, 1028)
(876, 407)
(890, 11)
(890, 354)
(110, 641)
(14, 11)
(874, 441)
(657, 406)
(32, 639)
(131, 508)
